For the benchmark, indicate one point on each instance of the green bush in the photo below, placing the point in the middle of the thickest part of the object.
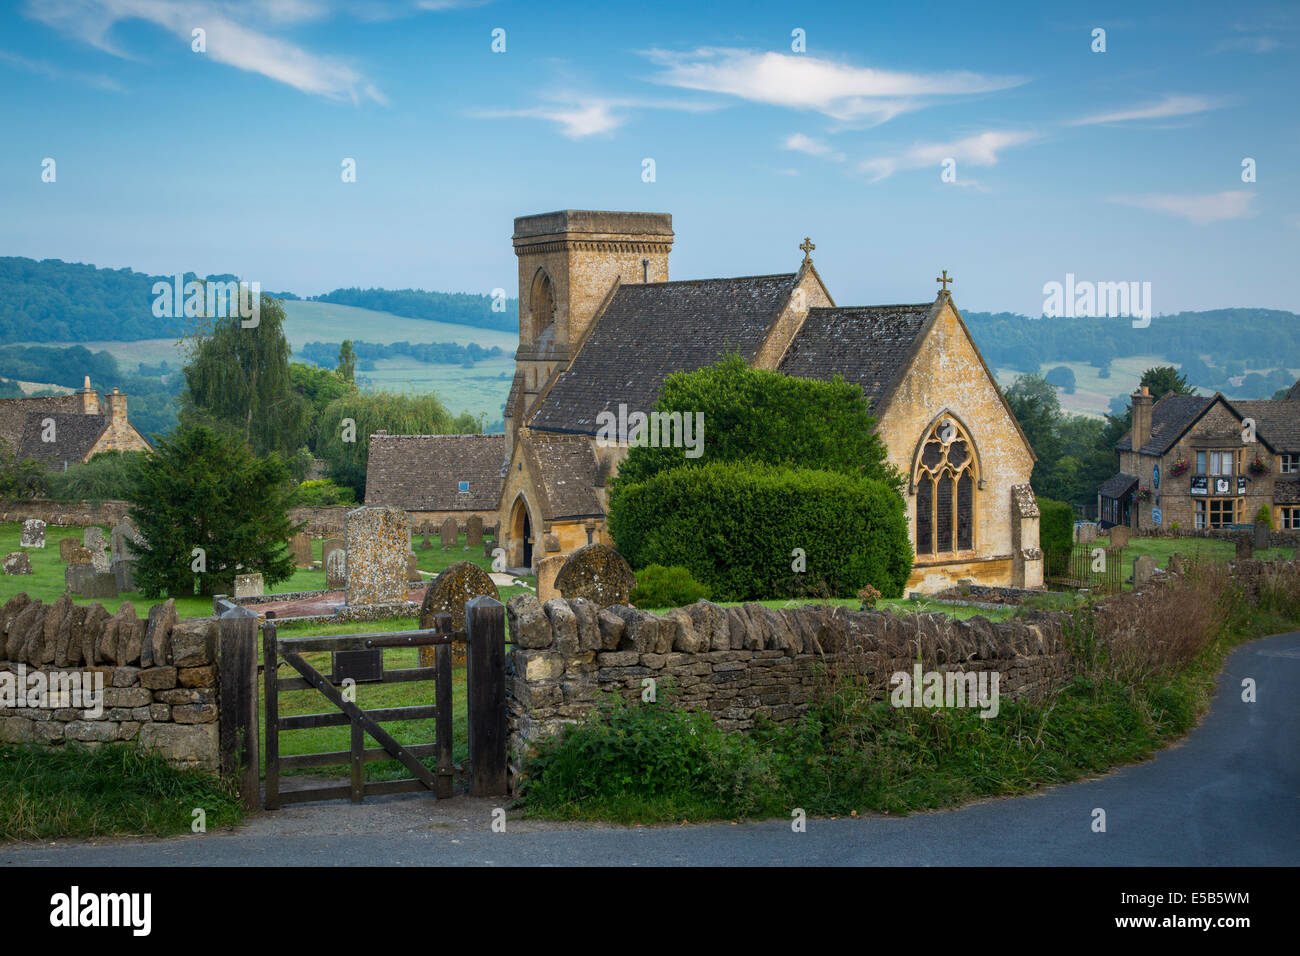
(106, 477)
(1055, 533)
(735, 527)
(658, 586)
(1264, 516)
(323, 491)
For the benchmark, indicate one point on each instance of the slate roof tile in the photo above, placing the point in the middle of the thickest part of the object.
(423, 472)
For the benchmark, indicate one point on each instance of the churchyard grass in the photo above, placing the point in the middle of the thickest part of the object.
(112, 790)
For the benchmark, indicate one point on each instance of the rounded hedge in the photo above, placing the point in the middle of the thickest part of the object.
(735, 527)
(1055, 534)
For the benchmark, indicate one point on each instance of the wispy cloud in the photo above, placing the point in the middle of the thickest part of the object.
(1248, 44)
(229, 40)
(813, 147)
(579, 116)
(980, 149)
(839, 90)
(1197, 209)
(50, 71)
(1166, 108)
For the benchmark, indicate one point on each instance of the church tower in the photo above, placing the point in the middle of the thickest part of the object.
(569, 262)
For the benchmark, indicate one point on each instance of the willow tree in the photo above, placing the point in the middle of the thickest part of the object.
(237, 379)
(345, 427)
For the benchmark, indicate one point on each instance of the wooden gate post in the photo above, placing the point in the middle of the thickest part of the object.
(485, 622)
(442, 697)
(238, 716)
(270, 671)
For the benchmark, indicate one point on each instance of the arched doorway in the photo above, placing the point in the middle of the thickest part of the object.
(520, 554)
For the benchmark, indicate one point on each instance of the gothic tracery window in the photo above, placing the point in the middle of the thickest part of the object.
(945, 490)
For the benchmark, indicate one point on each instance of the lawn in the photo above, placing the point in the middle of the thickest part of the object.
(1207, 549)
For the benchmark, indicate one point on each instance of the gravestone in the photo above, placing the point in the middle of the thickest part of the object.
(124, 574)
(100, 586)
(426, 544)
(1085, 533)
(1176, 564)
(79, 555)
(33, 534)
(17, 562)
(65, 548)
(248, 585)
(550, 542)
(412, 568)
(1245, 547)
(93, 538)
(75, 576)
(1143, 567)
(1119, 536)
(488, 548)
(1260, 541)
(547, 569)
(449, 533)
(99, 559)
(122, 540)
(377, 539)
(598, 573)
(300, 548)
(330, 545)
(448, 593)
(474, 531)
(336, 569)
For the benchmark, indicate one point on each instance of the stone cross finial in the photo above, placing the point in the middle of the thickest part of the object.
(807, 246)
(945, 279)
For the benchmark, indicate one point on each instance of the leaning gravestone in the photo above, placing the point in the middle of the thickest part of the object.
(33, 533)
(377, 539)
(474, 531)
(330, 545)
(124, 574)
(65, 548)
(449, 533)
(17, 562)
(248, 585)
(336, 569)
(1144, 566)
(122, 540)
(448, 593)
(1260, 541)
(1119, 536)
(300, 548)
(75, 576)
(598, 573)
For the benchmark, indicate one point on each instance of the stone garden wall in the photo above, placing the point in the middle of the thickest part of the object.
(158, 676)
(65, 514)
(742, 663)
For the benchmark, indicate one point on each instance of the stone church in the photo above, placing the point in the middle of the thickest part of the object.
(601, 325)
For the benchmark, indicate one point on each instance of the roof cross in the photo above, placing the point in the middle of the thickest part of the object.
(807, 246)
(944, 280)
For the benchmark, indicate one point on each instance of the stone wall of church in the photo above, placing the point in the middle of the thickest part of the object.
(808, 294)
(947, 376)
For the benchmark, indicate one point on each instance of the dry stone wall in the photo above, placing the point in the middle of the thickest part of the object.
(156, 677)
(746, 662)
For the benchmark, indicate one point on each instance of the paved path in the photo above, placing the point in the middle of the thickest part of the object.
(1229, 795)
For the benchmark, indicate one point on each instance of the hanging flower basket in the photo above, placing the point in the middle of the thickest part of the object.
(1179, 468)
(1143, 494)
(1259, 466)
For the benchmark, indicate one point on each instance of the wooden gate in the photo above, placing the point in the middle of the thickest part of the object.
(1087, 564)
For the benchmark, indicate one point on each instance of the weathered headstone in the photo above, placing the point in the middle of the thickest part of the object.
(248, 585)
(336, 569)
(598, 573)
(330, 545)
(1144, 565)
(426, 544)
(65, 548)
(1085, 533)
(1119, 536)
(448, 593)
(300, 548)
(33, 533)
(124, 574)
(101, 563)
(377, 539)
(17, 562)
(75, 576)
(449, 533)
(121, 541)
(412, 568)
(93, 538)
(547, 569)
(1260, 541)
(1176, 564)
(100, 586)
(1245, 547)
(550, 542)
(79, 555)
(474, 531)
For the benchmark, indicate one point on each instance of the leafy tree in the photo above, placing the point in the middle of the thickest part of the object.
(1038, 409)
(1061, 377)
(20, 479)
(238, 379)
(108, 476)
(371, 411)
(347, 367)
(203, 488)
(322, 491)
(319, 387)
(1163, 379)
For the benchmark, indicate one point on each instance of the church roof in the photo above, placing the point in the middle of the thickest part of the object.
(565, 467)
(1170, 418)
(650, 330)
(866, 345)
(75, 435)
(424, 472)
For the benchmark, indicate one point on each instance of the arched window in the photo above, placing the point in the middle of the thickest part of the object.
(945, 490)
(541, 302)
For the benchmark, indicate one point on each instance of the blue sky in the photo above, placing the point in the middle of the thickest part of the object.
(1117, 166)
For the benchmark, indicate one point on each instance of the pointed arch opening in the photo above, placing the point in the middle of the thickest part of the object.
(945, 477)
(541, 306)
(519, 548)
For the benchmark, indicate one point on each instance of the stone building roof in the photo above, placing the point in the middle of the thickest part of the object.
(1294, 394)
(1170, 417)
(867, 345)
(14, 413)
(565, 467)
(1277, 422)
(1117, 486)
(647, 332)
(423, 472)
(75, 435)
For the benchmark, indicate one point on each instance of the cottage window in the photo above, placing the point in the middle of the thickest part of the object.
(1289, 518)
(945, 481)
(1290, 464)
(1216, 513)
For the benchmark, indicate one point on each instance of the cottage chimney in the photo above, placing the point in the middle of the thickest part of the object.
(89, 399)
(1141, 417)
(117, 407)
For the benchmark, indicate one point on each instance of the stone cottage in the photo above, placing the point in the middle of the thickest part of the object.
(63, 430)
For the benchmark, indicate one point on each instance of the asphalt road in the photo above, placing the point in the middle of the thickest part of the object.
(1228, 795)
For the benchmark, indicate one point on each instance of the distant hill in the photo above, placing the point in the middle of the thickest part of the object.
(459, 307)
